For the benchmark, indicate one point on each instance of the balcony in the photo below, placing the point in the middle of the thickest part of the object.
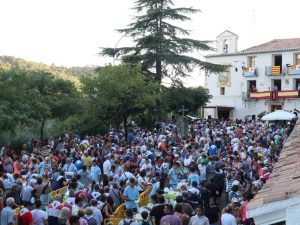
(294, 70)
(274, 95)
(249, 72)
(275, 70)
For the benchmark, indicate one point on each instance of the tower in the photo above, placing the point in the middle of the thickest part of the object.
(227, 42)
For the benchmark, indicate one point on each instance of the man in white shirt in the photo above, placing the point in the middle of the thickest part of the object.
(107, 165)
(227, 218)
(199, 218)
(39, 217)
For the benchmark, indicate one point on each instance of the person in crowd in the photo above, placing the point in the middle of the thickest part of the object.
(181, 215)
(235, 156)
(213, 212)
(39, 216)
(25, 214)
(131, 194)
(96, 211)
(169, 217)
(157, 211)
(199, 218)
(129, 220)
(7, 213)
(227, 217)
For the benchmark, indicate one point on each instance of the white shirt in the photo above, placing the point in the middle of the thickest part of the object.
(142, 183)
(106, 167)
(228, 219)
(187, 161)
(199, 220)
(147, 167)
(38, 217)
(126, 176)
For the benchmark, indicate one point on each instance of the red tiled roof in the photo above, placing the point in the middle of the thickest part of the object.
(284, 182)
(275, 45)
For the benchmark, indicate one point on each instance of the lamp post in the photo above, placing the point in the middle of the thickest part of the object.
(114, 58)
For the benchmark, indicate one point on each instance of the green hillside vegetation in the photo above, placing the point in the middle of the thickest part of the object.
(66, 73)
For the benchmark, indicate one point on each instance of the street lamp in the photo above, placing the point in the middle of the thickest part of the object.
(114, 58)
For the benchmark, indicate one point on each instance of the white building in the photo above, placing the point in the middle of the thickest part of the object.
(261, 78)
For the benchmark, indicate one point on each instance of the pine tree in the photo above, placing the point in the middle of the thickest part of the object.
(161, 47)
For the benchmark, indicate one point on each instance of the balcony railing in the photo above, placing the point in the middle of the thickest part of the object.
(274, 95)
(249, 72)
(275, 70)
(293, 69)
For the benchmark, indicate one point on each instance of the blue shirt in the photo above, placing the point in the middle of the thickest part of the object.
(155, 188)
(70, 168)
(44, 166)
(95, 173)
(84, 177)
(132, 193)
(194, 177)
(173, 177)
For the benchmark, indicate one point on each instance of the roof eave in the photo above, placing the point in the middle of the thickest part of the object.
(253, 52)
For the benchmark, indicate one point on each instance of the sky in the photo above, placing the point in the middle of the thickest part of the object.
(71, 32)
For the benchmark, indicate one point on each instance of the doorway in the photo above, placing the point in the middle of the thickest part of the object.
(276, 85)
(273, 108)
(278, 61)
(223, 113)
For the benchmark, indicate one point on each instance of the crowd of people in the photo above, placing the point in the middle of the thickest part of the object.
(214, 172)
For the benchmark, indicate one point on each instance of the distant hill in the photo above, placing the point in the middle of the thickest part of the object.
(66, 73)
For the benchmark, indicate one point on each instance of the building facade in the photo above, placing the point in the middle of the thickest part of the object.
(260, 79)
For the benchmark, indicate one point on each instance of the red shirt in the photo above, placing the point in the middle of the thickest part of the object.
(26, 216)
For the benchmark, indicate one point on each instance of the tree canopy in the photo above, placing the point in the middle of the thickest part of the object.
(162, 47)
(29, 98)
(119, 92)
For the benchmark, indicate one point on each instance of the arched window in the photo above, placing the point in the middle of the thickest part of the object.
(225, 46)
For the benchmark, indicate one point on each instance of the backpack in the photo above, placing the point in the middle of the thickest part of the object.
(127, 223)
(145, 223)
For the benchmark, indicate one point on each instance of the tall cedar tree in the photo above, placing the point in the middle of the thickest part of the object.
(161, 47)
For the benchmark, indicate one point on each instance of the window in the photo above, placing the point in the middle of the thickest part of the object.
(276, 85)
(222, 90)
(225, 46)
(252, 61)
(297, 84)
(297, 59)
(251, 86)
